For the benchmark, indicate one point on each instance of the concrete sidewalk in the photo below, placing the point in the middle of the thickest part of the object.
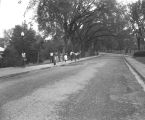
(12, 71)
(137, 66)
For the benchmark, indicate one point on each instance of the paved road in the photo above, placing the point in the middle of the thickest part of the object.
(98, 89)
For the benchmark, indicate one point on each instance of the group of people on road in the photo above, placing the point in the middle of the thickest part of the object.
(72, 55)
(53, 58)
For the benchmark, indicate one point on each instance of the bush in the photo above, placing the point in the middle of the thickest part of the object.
(1, 62)
(31, 56)
(139, 54)
(11, 58)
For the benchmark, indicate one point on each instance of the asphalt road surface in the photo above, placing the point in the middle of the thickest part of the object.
(101, 88)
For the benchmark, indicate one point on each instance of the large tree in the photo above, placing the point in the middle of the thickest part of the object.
(81, 22)
(108, 20)
(22, 40)
(63, 14)
(137, 20)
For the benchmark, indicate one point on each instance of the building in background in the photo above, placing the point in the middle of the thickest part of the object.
(1, 51)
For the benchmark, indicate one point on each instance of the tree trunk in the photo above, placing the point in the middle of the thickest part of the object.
(65, 45)
(138, 43)
(38, 56)
(82, 50)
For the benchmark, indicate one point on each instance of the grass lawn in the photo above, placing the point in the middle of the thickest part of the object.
(140, 59)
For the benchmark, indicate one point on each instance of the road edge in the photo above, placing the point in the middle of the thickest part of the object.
(141, 79)
(21, 73)
(135, 69)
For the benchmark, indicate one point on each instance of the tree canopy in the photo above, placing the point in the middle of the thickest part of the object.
(80, 21)
(137, 20)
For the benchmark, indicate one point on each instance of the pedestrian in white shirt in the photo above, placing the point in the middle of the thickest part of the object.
(54, 59)
(51, 57)
(65, 57)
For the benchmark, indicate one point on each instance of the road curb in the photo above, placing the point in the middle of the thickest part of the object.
(140, 75)
(13, 75)
(21, 73)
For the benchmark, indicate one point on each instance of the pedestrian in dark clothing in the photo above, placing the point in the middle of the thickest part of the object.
(54, 59)
(71, 55)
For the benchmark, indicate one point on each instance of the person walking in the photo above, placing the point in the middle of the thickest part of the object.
(24, 58)
(65, 57)
(51, 57)
(75, 56)
(54, 59)
(71, 55)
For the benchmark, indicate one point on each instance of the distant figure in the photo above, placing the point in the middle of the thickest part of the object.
(51, 57)
(75, 56)
(71, 55)
(59, 57)
(78, 55)
(54, 59)
(24, 58)
(65, 57)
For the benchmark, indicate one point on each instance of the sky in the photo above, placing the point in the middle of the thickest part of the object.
(12, 13)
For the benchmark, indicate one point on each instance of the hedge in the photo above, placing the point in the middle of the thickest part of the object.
(139, 54)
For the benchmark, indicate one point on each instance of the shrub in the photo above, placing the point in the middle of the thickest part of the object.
(139, 54)
(11, 57)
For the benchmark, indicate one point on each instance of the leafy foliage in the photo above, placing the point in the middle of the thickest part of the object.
(137, 20)
(83, 23)
(24, 43)
(80, 21)
(11, 57)
(27, 43)
(139, 54)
